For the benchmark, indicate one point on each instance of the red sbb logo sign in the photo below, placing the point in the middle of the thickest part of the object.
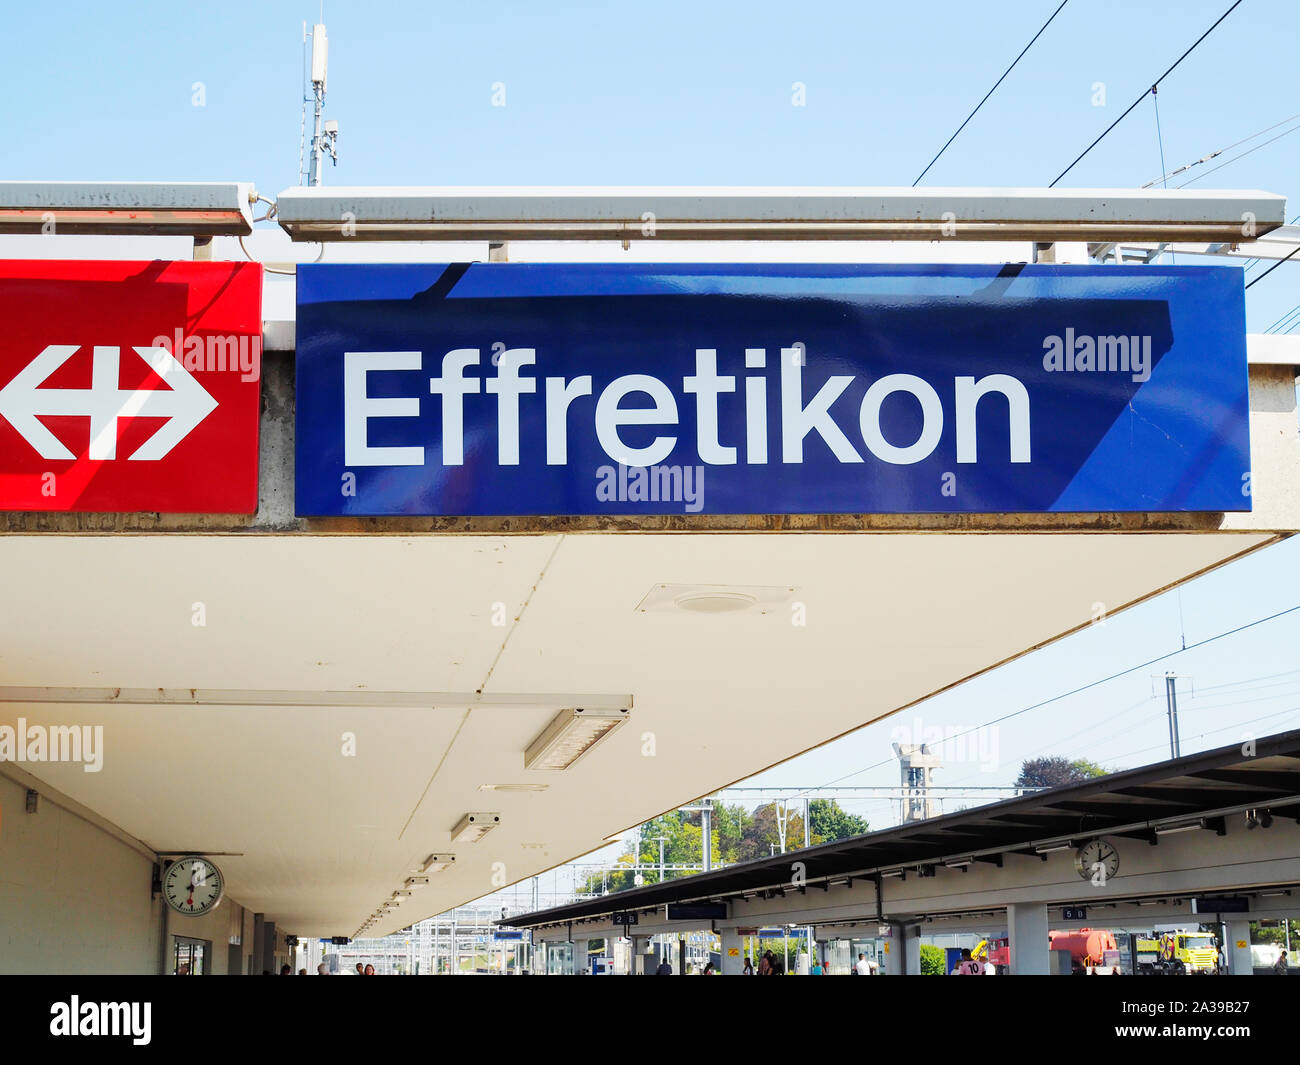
(130, 386)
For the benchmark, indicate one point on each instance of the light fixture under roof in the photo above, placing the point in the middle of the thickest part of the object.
(715, 598)
(473, 827)
(570, 735)
(436, 863)
(513, 787)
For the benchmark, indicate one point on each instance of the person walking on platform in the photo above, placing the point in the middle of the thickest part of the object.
(863, 967)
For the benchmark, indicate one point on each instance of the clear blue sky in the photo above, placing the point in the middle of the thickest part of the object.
(700, 93)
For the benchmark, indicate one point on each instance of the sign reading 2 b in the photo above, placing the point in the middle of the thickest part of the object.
(498, 389)
(130, 386)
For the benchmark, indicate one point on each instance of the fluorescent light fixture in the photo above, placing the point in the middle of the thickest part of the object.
(892, 873)
(151, 208)
(1052, 848)
(570, 735)
(436, 863)
(460, 213)
(417, 881)
(958, 863)
(474, 826)
(513, 787)
(1169, 830)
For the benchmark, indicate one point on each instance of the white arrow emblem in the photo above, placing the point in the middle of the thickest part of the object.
(185, 403)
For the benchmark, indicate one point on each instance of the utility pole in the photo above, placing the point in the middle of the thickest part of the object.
(1171, 697)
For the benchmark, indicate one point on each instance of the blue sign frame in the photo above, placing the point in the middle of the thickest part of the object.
(612, 389)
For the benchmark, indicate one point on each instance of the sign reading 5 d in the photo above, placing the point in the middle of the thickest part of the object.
(130, 386)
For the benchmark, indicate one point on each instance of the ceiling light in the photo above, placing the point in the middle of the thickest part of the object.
(473, 827)
(958, 863)
(715, 602)
(715, 598)
(436, 863)
(1170, 830)
(570, 735)
(513, 787)
(1052, 848)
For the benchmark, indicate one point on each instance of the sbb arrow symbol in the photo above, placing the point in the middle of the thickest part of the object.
(185, 404)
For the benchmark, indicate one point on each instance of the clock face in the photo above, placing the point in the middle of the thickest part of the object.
(1097, 861)
(192, 885)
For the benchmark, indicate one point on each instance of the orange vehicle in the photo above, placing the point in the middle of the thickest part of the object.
(1087, 947)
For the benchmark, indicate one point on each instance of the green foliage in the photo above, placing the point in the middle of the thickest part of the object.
(1057, 772)
(829, 822)
(1276, 934)
(738, 836)
(932, 960)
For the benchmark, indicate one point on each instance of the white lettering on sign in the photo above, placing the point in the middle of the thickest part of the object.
(643, 399)
(184, 404)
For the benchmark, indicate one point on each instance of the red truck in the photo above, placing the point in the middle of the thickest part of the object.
(1087, 947)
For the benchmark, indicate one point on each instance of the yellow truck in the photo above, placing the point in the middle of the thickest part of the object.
(1177, 953)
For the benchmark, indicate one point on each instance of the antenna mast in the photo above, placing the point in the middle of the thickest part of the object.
(325, 135)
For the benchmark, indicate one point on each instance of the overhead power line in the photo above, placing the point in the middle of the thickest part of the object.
(1082, 687)
(1273, 267)
(1214, 155)
(1154, 86)
(989, 93)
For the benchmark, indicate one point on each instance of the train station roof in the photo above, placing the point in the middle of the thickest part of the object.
(1194, 792)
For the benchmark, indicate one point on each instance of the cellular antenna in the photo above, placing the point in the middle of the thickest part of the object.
(325, 134)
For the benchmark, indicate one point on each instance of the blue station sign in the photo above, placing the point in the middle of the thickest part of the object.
(580, 389)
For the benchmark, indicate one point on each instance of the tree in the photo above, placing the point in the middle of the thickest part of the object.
(738, 836)
(1056, 772)
(829, 822)
(762, 836)
(933, 960)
